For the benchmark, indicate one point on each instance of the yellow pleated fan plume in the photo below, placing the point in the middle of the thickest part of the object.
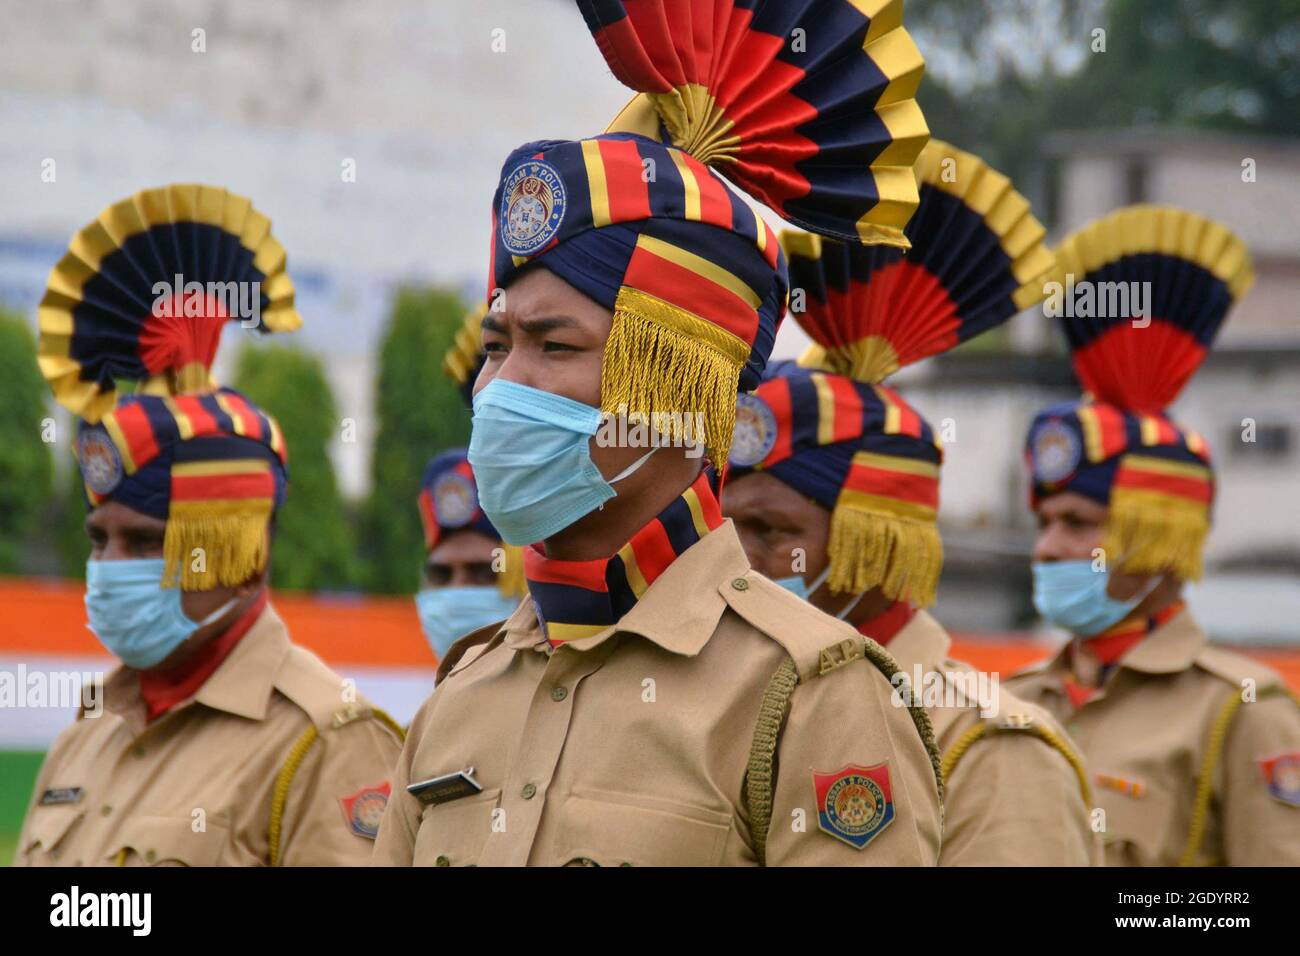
(461, 362)
(111, 304)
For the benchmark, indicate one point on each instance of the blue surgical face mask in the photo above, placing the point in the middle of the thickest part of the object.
(447, 614)
(796, 585)
(138, 620)
(532, 461)
(1071, 595)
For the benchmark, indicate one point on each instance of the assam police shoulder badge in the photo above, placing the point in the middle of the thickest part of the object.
(364, 809)
(533, 200)
(101, 464)
(755, 432)
(854, 803)
(1282, 776)
(1056, 452)
(455, 500)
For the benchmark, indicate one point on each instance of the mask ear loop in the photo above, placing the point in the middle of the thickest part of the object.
(628, 471)
(216, 615)
(851, 605)
(632, 468)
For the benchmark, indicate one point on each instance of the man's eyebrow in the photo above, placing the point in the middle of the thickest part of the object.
(532, 326)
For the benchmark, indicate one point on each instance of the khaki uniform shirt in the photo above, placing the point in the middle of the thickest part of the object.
(1016, 795)
(196, 785)
(630, 747)
(1146, 734)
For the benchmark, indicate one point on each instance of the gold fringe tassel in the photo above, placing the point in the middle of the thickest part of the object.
(212, 544)
(901, 556)
(670, 366)
(511, 579)
(1154, 533)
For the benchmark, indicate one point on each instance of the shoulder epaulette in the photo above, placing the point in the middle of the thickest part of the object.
(1018, 718)
(1235, 669)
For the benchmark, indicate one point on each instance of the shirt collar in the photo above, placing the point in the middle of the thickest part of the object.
(679, 611)
(241, 685)
(1170, 648)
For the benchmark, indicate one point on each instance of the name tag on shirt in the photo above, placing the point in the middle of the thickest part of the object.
(444, 789)
(52, 798)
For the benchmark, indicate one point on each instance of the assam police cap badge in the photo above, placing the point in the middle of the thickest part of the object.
(455, 500)
(532, 207)
(1056, 451)
(755, 432)
(101, 464)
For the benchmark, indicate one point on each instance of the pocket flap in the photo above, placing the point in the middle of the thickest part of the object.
(49, 825)
(155, 840)
(453, 833)
(618, 829)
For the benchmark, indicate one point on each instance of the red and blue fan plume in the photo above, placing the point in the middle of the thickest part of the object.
(1141, 295)
(977, 258)
(807, 105)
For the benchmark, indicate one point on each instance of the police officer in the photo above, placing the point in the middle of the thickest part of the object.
(835, 488)
(655, 700)
(220, 742)
(471, 577)
(1195, 750)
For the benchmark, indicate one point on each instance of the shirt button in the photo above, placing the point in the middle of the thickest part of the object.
(529, 791)
(106, 809)
(740, 584)
(442, 861)
(559, 693)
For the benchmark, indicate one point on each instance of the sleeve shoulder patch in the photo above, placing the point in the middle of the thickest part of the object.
(363, 810)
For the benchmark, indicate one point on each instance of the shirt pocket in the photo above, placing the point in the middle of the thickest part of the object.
(606, 828)
(48, 826)
(453, 833)
(167, 841)
(1138, 826)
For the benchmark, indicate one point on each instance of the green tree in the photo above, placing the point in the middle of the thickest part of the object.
(314, 546)
(25, 464)
(1000, 74)
(420, 412)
